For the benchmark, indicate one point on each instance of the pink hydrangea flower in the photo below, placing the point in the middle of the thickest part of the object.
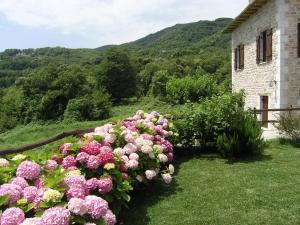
(110, 218)
(14, 191)
(93, 162)
(162, 158)
(150, 174)
(147, 137)
(32, 221)
(77, 206)
(119, 151)
(106, 157)
(105, 185)
(124, 176)
(74, 180)
(39, 182)
(30, 193)
(65, 148)
(96, 206)
(82, 157)
(56, 216)
(4, 162)
(20, 181)
(92, 148)
(129, 138)
(12, 216)
(134, 156)
(130, 148)
(51, 164)
(92, 184)
(28, 170)
(167, 178)
(106, 149)
(132, 164)
(69, 161)
(76, 191)
(39, 197)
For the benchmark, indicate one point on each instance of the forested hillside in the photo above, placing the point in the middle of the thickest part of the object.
(182, 63)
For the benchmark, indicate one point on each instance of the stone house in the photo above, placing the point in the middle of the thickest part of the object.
(266, 54)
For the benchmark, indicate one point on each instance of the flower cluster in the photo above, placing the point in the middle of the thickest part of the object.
(103, 166)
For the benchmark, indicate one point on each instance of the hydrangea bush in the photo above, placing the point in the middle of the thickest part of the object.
(90, 180)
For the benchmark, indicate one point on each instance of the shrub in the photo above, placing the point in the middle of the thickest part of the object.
(289, 125)
(223, 121)
(187, 89)
(88, 177)
(90, 107)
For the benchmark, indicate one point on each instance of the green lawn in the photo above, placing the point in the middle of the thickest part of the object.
(208, 190)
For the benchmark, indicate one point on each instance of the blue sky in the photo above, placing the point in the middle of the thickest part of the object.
(93, 23)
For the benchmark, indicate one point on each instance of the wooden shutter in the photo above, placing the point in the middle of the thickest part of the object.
(269, 40)
(242, 57)
(298, 39)
(235, 58)
(258, 50)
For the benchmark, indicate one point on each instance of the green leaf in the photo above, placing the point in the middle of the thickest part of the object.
(4, 199)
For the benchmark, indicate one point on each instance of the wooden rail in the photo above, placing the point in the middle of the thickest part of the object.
(45, 141)
(259, 111)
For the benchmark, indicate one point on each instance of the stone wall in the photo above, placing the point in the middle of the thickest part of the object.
(290, 62)
(258, 79)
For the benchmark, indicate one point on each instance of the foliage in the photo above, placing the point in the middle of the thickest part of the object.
(222, 120)
(102, 167)
(190, 89)
(289, 125)
(90, 107)
(120, 74)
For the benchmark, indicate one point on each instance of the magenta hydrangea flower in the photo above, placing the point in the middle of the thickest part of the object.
(106, 157)
(82, 157)
(93, 162)
(110, 218)
(74, 180)
(12, 216)
(20, 181)
(29, 170)
(14, 191)
(56, 216)
(105, 185)
(96, 206)
(76, 191)
(77, 206)
(30, 193)
(92, 148)
(91, 184)
(51, 164)
(69, 161)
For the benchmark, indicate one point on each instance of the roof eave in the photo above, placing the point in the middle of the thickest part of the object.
(245, 15)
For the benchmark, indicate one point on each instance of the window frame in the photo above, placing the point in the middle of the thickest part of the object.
(239, 58)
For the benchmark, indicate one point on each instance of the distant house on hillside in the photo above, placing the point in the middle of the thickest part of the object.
(266, 54)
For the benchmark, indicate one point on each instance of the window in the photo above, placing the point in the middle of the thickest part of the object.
(298, 39)
(264, 47)
(239, 57)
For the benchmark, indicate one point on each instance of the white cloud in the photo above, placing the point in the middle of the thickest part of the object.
(113, 21)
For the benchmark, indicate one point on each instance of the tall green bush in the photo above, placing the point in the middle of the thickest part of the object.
(222, 120)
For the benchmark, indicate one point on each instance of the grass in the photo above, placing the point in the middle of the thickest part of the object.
(33, 132)
(208, 190)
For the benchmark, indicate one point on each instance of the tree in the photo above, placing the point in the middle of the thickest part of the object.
(120, 74)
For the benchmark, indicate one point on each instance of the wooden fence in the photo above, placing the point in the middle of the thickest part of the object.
(261, 111)
(46, 141)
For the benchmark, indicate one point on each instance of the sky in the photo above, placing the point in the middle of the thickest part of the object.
(94, 23)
